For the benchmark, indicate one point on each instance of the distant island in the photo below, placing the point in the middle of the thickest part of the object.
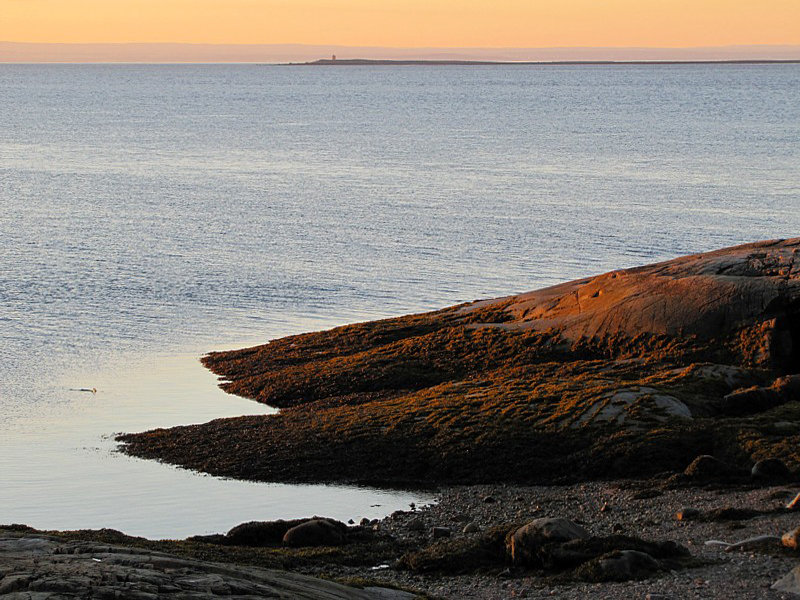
(367, 62)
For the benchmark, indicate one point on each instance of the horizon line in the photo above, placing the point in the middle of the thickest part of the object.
(198, 53)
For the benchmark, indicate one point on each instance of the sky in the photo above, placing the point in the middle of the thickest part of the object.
(407, 23)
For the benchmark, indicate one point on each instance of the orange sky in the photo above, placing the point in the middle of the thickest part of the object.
(407, 23)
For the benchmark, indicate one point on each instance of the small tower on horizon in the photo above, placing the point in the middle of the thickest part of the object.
(333, 57)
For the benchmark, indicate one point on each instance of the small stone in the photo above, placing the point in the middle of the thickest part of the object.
(657, 597)
(364, 522)
(471, 528)
(398, 514)
(791, 539)
(618, 528)
(351, 522)
(441, 532)
(687, 514)
(605, 507)
(489, 500)
(461, 518)
(794, 504)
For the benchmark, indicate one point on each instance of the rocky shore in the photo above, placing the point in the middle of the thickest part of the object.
(588, 439)
(628, 374)
(451, 550)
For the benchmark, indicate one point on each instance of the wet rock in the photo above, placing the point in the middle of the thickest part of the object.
(471, 528)
(622, 565)
(770, 469)
(524, 544)
(316, 532)
(440, 532)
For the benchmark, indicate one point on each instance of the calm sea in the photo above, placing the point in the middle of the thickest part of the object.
(150, 214)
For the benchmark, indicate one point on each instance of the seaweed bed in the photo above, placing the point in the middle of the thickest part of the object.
(628, 374)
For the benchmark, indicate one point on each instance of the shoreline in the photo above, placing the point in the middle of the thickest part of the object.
(569, 383)
(642, 509)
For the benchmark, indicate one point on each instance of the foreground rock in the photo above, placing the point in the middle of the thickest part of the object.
(627, 374)
(736, 560)
(34, 566)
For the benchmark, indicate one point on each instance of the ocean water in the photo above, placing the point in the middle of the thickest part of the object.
(150, 214)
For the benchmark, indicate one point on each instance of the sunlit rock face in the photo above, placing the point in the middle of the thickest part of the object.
(751, 290)
(626, 374)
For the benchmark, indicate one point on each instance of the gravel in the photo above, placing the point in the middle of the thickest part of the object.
(745, 574)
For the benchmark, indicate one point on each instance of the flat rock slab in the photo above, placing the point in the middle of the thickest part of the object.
(36, 567)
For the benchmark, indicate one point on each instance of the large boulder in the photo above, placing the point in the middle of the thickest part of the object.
(525, 543)
(316, 532)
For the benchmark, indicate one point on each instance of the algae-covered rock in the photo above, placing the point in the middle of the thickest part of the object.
(628, 374)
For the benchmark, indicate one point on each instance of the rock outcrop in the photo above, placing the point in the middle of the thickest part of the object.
(36, 566)
(626, 374)
(751, 291)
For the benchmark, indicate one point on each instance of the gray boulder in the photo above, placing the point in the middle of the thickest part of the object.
(523, 544)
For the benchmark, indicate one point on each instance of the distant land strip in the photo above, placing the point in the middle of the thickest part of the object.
(21, 52)
(366, 62)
